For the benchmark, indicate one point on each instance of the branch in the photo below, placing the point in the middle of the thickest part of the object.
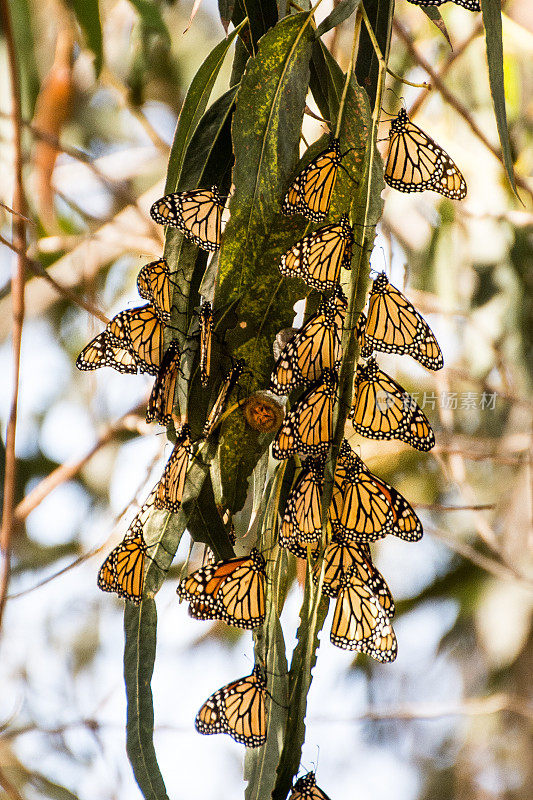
(17, 305)
(450, 98)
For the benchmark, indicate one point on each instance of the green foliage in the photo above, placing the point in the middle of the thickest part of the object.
(340, 12)
(25, 46)
(88, 16)
(492, 20)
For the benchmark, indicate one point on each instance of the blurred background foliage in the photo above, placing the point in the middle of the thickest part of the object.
(451, 718)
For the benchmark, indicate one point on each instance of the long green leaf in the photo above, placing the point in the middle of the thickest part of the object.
(433, 14)
(88, 16)
(140, 625)
(366, 67)
(492, 20)
(266, 130)
(194, 105)
(336, 17)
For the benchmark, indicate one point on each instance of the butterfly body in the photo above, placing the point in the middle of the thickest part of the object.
(393, 325)
(237, 709)
(197, 214)
(382, 409)
(318, 257)
(415, 162)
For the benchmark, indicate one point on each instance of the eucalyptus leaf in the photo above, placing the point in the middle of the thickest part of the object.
(340, 12)
(88, 16)
(434, 15)
(492, 20)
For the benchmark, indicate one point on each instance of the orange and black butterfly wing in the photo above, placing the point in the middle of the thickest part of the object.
(107, 575)
(161, 401)
(415, 162)
(318, 257)
(129, 565)
(406, 523)
(206, 333)
(359, 621)
(310, 192)
(228, 384)
(470, 5)
(316, 347)
(140, 331)
(153, 283)
(197, 214)
(305, 788)
(170, 488)
(395, 326)
(308, 428)
(237, 709)
(102, 352)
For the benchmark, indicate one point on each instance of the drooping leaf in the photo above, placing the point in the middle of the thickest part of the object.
(88, 16)
(225, 9)
(266, 130)
(140, 627)
(492, 20)
(434, 15)
(262, 15)
(366, 66)
(336, 17)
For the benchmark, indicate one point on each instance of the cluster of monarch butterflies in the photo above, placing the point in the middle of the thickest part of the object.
(363, 508)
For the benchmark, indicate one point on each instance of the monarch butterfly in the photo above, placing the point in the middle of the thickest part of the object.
(206, 330)
(153, 283)
(315, 348)
(170, 488)
(471, 5)
(415, 162)
(371, 509)
(305, 788)
(161, 400)
(344, 460)
(382, 409)
(302, 518)
(233, 591)
(359, 621)
(197, 214)
(227, 387)
(393, 325)
(318, 257)
(139, 330)
(237, 709)
(308, 427)
(339, 556)
(310, 192)
(101, 352)
(360, 330)
(123, 570)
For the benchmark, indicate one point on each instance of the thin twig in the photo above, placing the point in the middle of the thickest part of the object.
(39, 270)
(18, 280)
(450, 98)
(65, 472)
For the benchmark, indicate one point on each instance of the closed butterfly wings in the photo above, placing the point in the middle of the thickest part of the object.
(154, 285)
(393, 325)
(169, 490)
(308, 427)
(318, 257)
(415, 162)
(237, 709)
(123, 570)
(232, 591)
(302, 518)
(310, 192)
(206, 332)
(197, 214)
(316, 347)
(359, 621)
(382, 409)
(161, 401)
